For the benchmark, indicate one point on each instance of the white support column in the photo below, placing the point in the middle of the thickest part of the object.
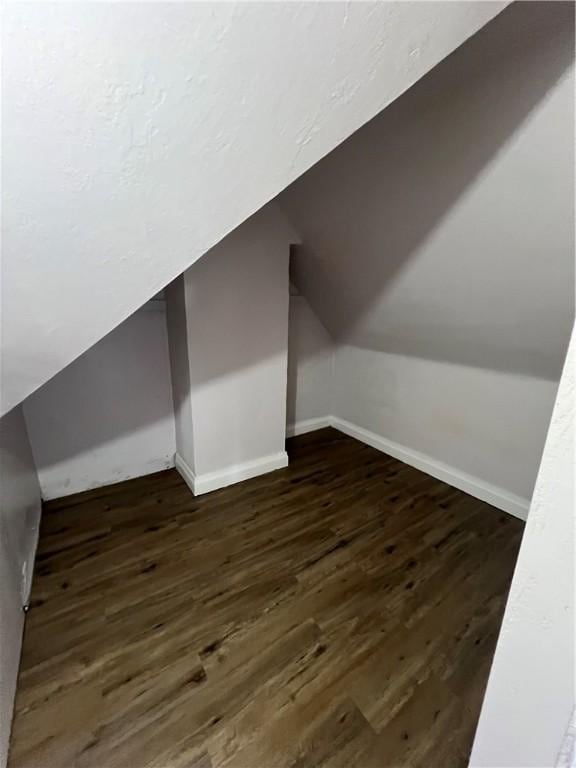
(228, 327)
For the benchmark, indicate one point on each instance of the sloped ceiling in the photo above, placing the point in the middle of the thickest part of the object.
(444, 229)
(139, 134)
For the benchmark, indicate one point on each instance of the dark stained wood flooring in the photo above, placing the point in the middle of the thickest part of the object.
(342, 612)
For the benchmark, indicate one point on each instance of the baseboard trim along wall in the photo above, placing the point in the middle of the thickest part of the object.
(308, 425)
(491, 494)
(212, 481)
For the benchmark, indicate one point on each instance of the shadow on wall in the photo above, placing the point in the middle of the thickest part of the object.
(310, 353)
(115, 399)
(425, 234)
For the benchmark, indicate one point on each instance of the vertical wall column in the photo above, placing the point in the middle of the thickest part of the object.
(228, 330)
(20, 506)
(527, 718)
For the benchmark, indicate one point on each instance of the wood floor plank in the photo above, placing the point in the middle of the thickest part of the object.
(341, 612)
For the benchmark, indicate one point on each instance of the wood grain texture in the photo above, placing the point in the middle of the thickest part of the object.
(341, 612)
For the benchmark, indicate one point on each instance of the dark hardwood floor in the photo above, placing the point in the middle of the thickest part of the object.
(341, 612)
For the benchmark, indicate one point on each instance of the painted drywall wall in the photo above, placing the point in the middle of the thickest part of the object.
(236, 305)
(438, 250)
(481, 423)
(108, 416)
(141, 133)
(20, 507)
(530, 696)
(19, 500)
(310, 356)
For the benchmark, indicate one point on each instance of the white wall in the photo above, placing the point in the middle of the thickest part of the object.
(236, 306)
(438, 250)
(310, 358)
(485, 426)
(19, 522)
(108, 416)
(530, 695)
(141, 133)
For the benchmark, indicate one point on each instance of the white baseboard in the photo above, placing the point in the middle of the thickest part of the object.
(308, 425)
(491, 494)
(211, 481)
